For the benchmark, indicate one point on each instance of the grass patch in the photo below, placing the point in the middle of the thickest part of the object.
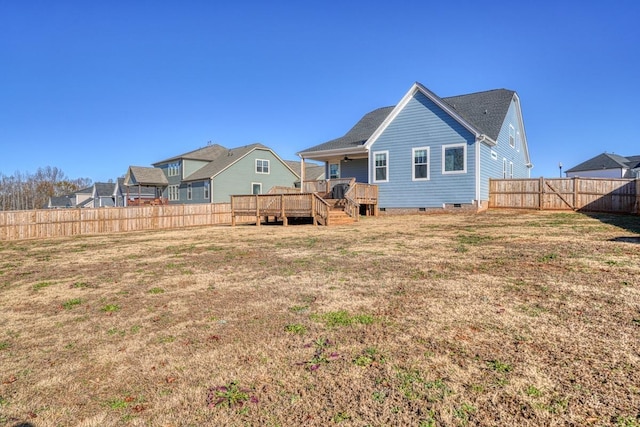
(110, 308)
(41, 285)
(155, 291)
(343, 318)
(296, 328)
(68, 305)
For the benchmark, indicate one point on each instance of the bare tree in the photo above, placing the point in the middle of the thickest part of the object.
(23, 191)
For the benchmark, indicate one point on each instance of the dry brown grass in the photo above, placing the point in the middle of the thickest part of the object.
(502, 318)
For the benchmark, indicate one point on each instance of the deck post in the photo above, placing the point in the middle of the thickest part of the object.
(283, 212)
(313, 209)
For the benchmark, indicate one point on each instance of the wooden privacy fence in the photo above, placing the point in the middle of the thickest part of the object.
(18, 225)
(578, 194)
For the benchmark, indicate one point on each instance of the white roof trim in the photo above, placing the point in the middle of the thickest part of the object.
(523, 136)
(417, 87)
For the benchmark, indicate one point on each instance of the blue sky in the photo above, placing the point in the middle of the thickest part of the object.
(93, 87)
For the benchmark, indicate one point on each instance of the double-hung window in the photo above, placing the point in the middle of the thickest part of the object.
(206, 190)
(381, 166)
(189, 191)
(173, 192)
(262, 166)
(454, 158)
(420, 163)
(334, 170)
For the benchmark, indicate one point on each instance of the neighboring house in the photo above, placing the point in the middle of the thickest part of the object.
(214, 173)
(100, 194)
(430, 152)
(312, 171)
(144, 185)
(607, 165)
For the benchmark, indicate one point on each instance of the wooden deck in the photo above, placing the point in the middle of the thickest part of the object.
(316, 202)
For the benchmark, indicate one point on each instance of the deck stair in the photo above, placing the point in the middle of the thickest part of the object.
(337, 215)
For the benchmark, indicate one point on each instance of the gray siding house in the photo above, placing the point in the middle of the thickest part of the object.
(607, 165)
(214, 173)
(429, 152)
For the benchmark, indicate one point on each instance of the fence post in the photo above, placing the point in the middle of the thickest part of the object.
(257, 211)
(576, 194)
(285, 222)
(541, 194)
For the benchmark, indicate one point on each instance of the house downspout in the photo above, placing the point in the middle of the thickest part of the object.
(479, 141)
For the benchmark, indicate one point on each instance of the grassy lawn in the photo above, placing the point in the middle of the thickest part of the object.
(501, 318)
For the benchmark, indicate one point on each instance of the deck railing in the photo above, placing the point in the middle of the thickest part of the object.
(364, 193)
(283, 205)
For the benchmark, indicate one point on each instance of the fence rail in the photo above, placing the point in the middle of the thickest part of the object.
(578, 194)
(45, 223)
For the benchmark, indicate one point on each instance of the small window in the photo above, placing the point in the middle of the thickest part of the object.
(454, 158)
(512, 136)
(256, 188)
(511, 170)
(504, 168)
(262, 166)
(334, 170)
(189, 191)
(206, 190)
(420, 163)
(173, 169)
(381, 166)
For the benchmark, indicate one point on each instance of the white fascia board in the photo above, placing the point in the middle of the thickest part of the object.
(417, 87)
(523, 136)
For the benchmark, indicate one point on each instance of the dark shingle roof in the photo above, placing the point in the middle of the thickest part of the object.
(606, 161)
(358, 134)
(59, 202)
(224, 160)
(484, 110)
(312, 171)
(146, 176)
(104, 189)
(208, 153)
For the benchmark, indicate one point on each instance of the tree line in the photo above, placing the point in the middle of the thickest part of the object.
(24, 191)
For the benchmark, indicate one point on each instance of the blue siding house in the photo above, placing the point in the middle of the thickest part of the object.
(430, 153)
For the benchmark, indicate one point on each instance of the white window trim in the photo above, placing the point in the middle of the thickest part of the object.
(268, 166)
(504, 168)
(413, 163)
(494, 155)
(206, 193)
(256, 183)
(511, 170)
(339, 169)
(189, 191)
(464, 159)
(386, 153)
